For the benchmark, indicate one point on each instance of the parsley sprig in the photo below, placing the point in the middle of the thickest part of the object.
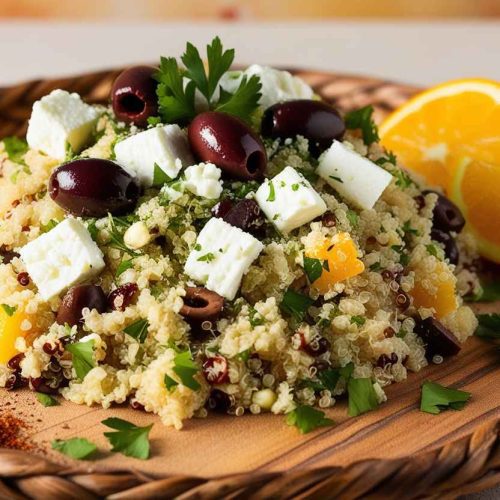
(362, 119)
(306, 419)
(128, 438)
(177, 85)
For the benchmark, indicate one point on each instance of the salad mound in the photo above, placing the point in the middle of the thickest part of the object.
(220, 240)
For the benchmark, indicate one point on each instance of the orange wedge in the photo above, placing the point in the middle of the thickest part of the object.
(450, 134)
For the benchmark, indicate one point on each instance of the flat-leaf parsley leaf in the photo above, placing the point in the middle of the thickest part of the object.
(138, 330)
(489, 326)
(77, 448)
(306, 419)
(296, 304)
(185, 368)
(129, 439)
(436, 398)
(362, 119)
(83, 357)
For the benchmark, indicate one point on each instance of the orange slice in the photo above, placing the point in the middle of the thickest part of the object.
(451, 135)
(453, 120)
(475, 188)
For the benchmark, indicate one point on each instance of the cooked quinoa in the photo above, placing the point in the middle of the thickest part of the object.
(257, 355)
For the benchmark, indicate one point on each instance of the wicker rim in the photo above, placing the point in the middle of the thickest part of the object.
(467, 465)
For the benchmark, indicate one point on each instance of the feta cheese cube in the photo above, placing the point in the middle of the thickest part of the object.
(289, 200)
(59, 120)
(355, 177)
(165, 146)
(221, 256)
(62, 257)
(204, 180)
(277, 85)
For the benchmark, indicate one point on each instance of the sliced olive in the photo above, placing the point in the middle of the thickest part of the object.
(133, 95)
(77, 299)
(229, 143)
(317, 121)
(246, 215)
(437, 338)
(446, 215)
(93, 187)
(202, 305)
(450, 246)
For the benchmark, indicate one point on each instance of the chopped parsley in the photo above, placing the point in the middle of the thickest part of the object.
(185, 368)
(352, 217)
(129, 439)
(295, 187)
(255, 318)
(77, 448)
(307, 419)
(490, 292)
(362, 119)
(123, 266)
(407, 229)
(296, 304)
(160, 177)
(489, 326)
(403, 180)
(436, 398)
(376, 266)
(208, 257)
(16, 149)
(314, 268)
(432, 250)
(362, 396)
(138, 330)
(49, 226)
(83, 357)
(116, 235)
(358, 320)
(389, 158)
(9, 310)
(170, 383)
(177, 101)
(338, 179)
(244, 355)
(272, 193)
(46, 399)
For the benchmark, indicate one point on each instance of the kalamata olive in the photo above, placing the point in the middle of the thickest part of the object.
(93, 187)
(229, 143)
(315, 120)
(437, 338)
(450, 246)
(78, 298)
(222, 208)
(446, 215)
(246, 215)
(134, 96)
(219, 401)
(201, 305)
(385, 360)
(317, 347)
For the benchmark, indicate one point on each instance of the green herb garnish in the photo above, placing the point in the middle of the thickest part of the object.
(123, 266)
(116, 235)
(129, 439)
(208, 257)
(338, 179)
(362, 119)
(49, 226)
(389, 158)
(362, 396)
(489, 326)
(254, 317)
(436, 398)
(185, 368)
(313, 268)
(16, 149)
(490, 292)
(432, 250)
(46, 399)
(296, 304)
(177, 102)
(160, 177)
(170, 383)
(9, 310)
(306, 419)
(138, 330)
(272, 194)
(353, 218)
(77, 448)
(83, 357)
(359, 320)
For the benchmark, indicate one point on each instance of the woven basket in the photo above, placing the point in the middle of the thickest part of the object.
(467, 465)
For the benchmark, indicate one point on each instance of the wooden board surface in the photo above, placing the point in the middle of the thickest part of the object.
(222, 445)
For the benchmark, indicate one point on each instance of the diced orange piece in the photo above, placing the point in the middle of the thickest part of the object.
(439, 294)
(12, 327)
(342, 256)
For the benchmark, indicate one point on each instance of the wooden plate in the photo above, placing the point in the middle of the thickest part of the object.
(394, 452)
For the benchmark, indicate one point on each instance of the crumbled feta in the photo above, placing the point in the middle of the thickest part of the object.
(355, 177)
(289, 201)
(62, 257)
(165, 146)
(277, 85)
(60, 121)
(204, 180)
(221, 256)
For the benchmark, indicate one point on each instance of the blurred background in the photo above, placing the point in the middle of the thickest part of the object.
(421, 42)
(233, 10)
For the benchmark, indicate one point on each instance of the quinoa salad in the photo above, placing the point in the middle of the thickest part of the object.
(221, 241)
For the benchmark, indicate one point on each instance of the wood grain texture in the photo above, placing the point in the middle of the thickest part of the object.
(394, 452)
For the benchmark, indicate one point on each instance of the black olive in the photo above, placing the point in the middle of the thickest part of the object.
(450, 246)
(446, 215)
(77, 299)
(246, 215)
(219, 401)
(133, 95)
(93, 187)
(202, 305)
(229, 143)
(437, 338)
(317, 121)
(317, 347)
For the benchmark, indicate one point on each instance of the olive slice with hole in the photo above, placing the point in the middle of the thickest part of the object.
(201, 305)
